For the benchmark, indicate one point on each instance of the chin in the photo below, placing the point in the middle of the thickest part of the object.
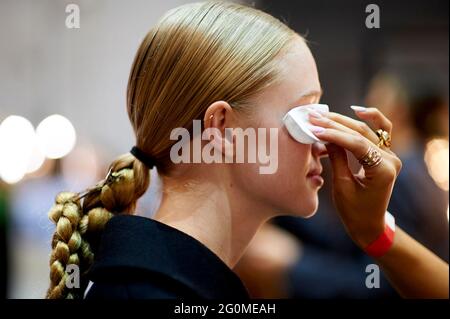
(310, 214)
(310, 207)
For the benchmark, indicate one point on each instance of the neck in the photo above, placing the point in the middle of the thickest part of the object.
(214, 212)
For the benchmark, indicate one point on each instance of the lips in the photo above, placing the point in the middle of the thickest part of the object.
(314, 172)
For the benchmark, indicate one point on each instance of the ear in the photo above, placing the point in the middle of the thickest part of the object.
(219, 116)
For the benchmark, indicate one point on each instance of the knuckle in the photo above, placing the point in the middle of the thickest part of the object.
(363, 127)
(359, 140)
(332, 115)
(397, 164)
(329, 122)
(390, 173)
(389, 124)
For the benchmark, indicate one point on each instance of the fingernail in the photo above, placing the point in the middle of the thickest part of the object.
(358, 108)
(323, 112)
(315, 114)
(317, 129)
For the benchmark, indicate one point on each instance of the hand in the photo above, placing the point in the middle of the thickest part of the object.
(361, 199)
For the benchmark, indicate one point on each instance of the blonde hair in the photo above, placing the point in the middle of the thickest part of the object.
(196, 54)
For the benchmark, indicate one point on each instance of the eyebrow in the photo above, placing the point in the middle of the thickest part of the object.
(310, 93)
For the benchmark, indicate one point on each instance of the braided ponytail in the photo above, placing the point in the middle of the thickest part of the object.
(81, 217)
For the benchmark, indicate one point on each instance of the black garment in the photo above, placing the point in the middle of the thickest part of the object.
(142, 258)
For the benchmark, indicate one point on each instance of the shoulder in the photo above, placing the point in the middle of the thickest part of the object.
(142, 258)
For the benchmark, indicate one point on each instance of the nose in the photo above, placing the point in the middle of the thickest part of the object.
(319, 150)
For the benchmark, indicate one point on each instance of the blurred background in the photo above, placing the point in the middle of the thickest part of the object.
(63, 119)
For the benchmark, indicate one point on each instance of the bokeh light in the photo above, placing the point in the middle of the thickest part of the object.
(56, 136)
(17, 141)
(37, 157)
(437, 161)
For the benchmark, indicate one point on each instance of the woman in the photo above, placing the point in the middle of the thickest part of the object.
(231, 67)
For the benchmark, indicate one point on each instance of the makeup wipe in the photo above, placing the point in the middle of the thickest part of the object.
(298, 125)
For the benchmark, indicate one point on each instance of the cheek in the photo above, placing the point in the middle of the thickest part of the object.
(293, 156)
(292, 192)
(295, 161)
(287, 190)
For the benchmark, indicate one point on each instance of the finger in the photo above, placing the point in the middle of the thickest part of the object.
(324, 121)
(321, 121)
(358, 126)
(356, 144)
(389, 166)
(339, 161)
(374, 117)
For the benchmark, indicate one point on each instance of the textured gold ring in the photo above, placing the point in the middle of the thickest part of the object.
(384, 138)
(371, 159)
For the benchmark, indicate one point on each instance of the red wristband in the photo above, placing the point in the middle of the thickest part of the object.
(381, 245)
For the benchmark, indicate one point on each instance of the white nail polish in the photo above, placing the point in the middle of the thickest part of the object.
(358, 108)
(317, 129)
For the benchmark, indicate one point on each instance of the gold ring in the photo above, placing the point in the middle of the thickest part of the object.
(371, 159)
(384, 138)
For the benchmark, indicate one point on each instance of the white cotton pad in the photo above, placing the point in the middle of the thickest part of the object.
(298, 125)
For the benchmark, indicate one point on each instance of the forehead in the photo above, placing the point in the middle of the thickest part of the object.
(298, 77)
(298, 71)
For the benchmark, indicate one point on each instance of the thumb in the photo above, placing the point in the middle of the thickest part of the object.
(339, 161)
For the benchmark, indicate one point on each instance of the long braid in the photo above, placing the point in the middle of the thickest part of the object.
(81, 217)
